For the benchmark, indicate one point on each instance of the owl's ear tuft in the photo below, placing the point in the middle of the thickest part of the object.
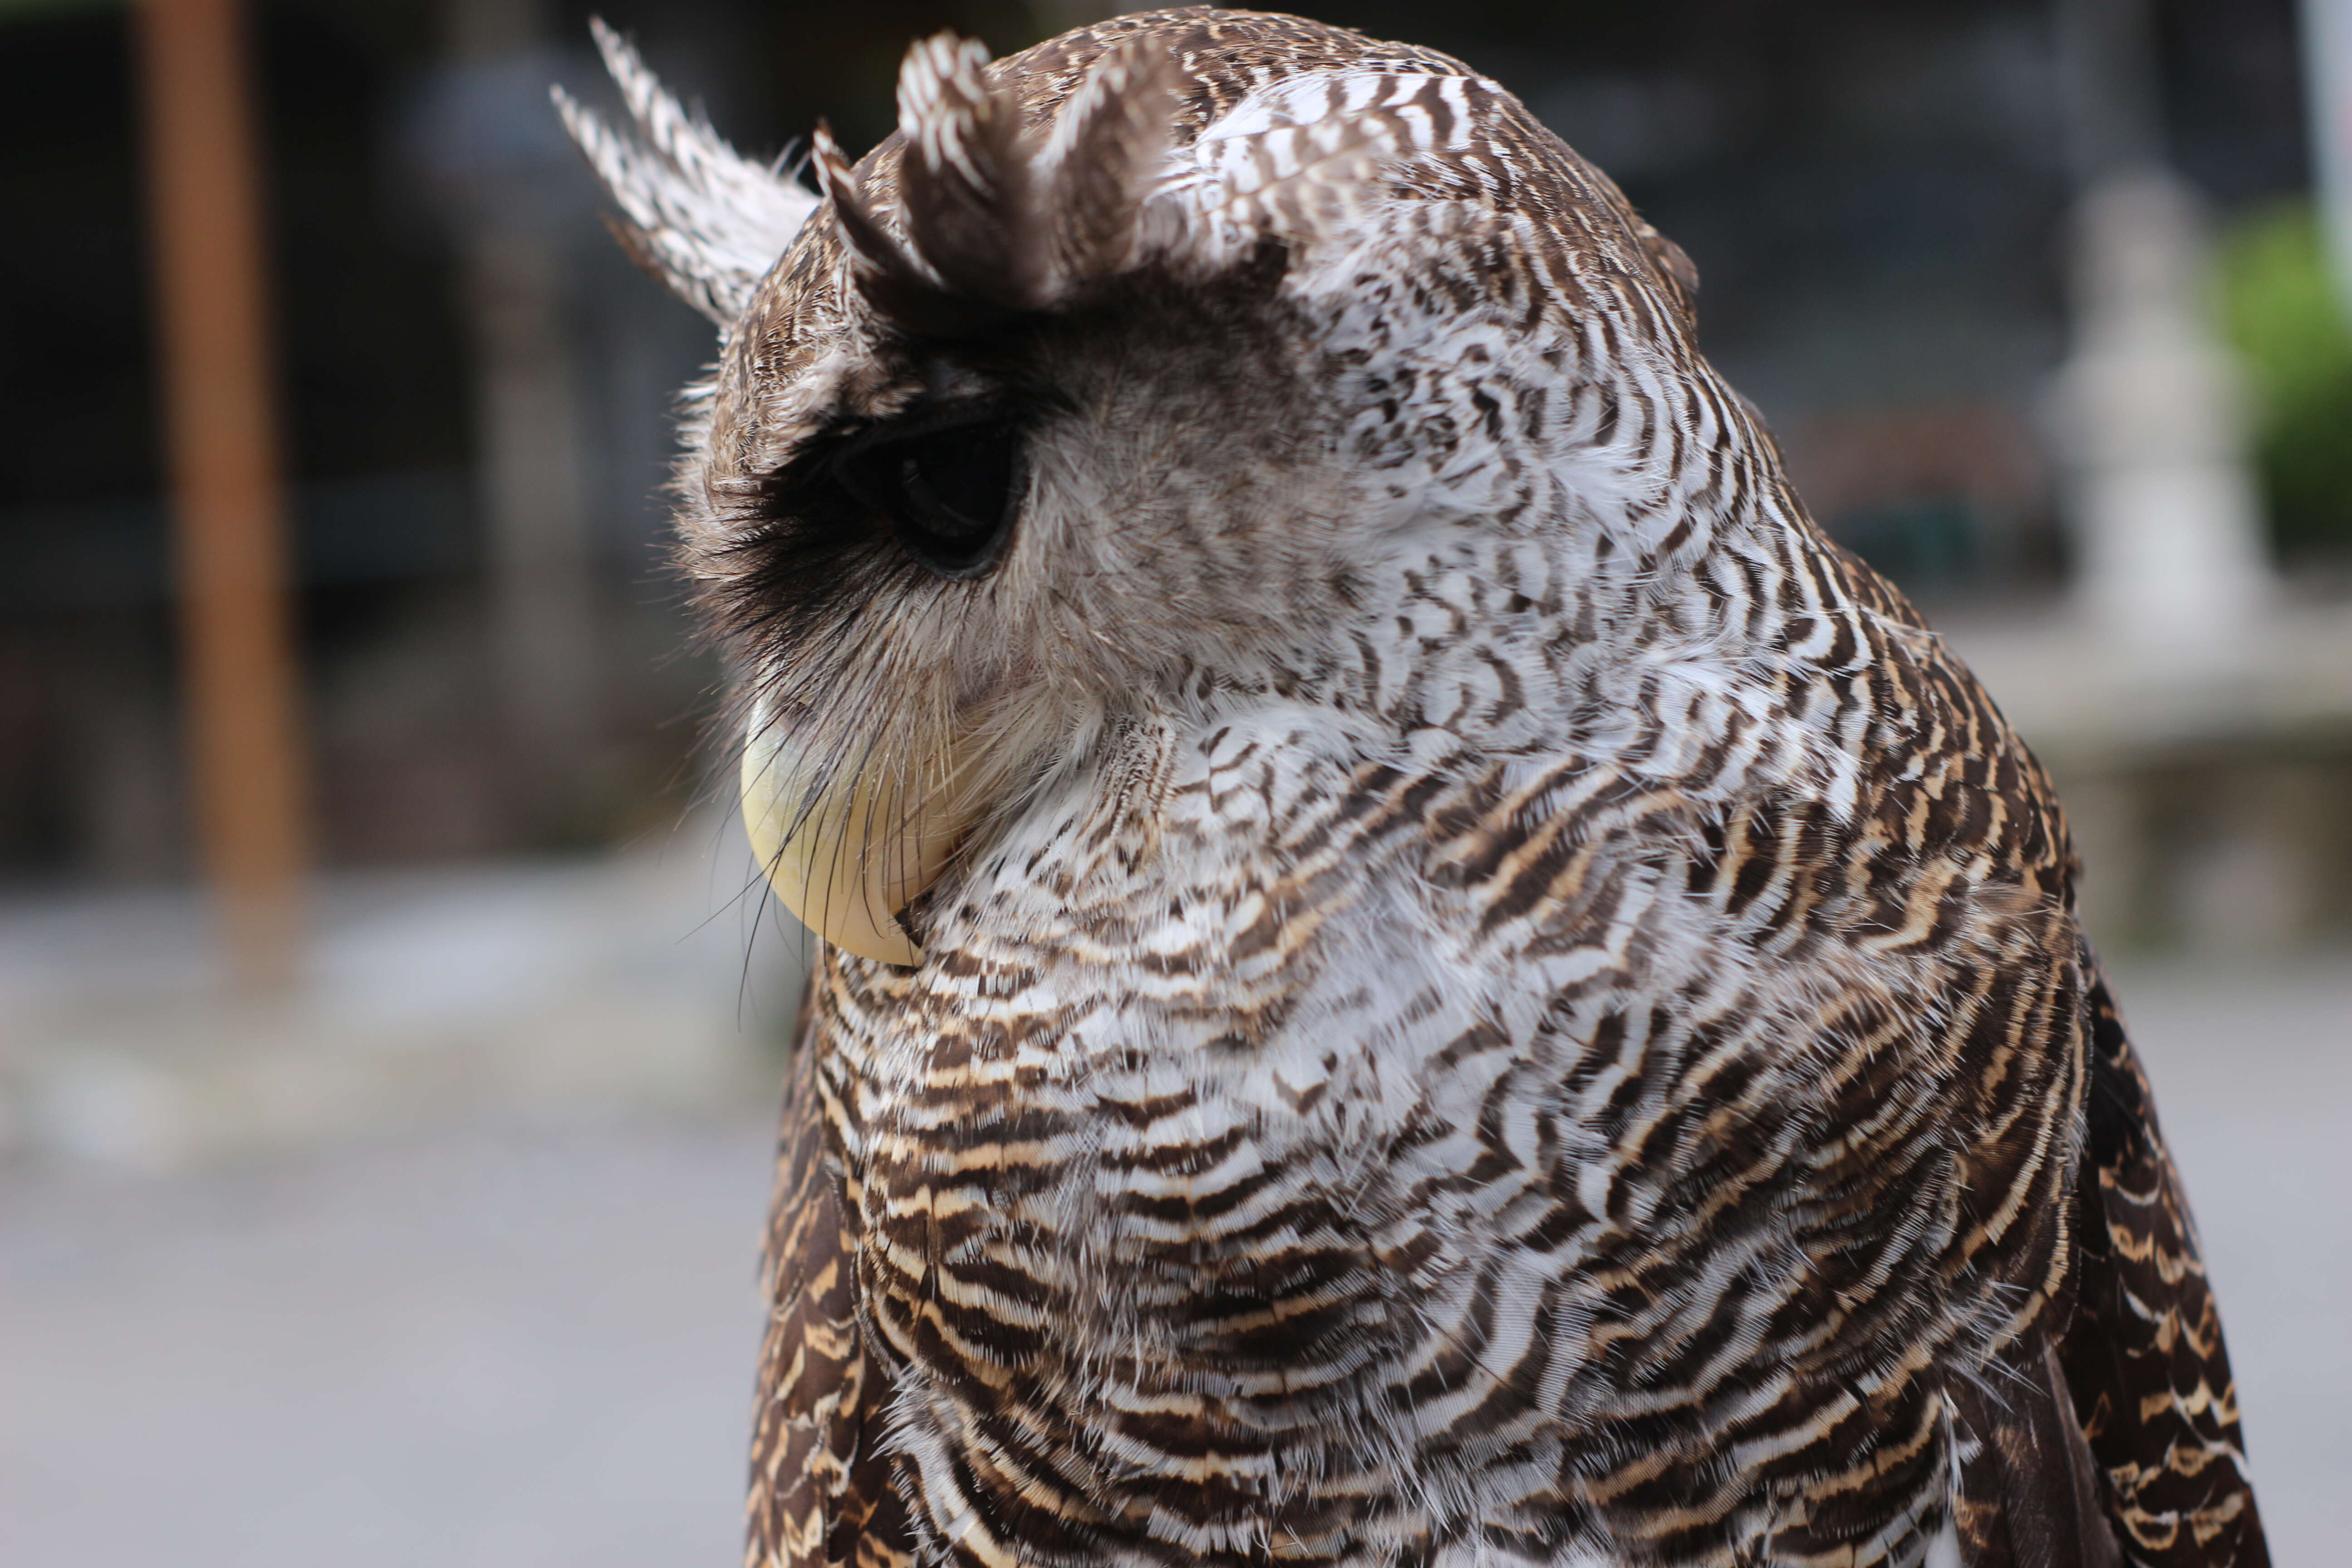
(1106, 155)
(701, 216)
(966, 182)
(904, 291)
(1000, 217)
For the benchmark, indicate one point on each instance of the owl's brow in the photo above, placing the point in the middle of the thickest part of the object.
(975, 382)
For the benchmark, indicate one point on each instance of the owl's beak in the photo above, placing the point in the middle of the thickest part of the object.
(846, 855)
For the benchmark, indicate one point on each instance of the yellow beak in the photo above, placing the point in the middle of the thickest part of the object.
(845, 855)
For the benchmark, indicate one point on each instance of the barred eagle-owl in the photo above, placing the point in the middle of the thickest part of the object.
(1418, 970)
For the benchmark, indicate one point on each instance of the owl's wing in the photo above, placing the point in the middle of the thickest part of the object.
(2143, 1356)
(2029, 1491)
(820, 1486)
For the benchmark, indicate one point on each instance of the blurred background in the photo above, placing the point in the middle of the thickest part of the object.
(387, 1035)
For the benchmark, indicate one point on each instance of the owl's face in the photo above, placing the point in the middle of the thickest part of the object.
(1102, 388)
(1064, 508)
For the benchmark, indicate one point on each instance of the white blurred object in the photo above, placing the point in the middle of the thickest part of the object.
(2173, 571)
(608, 984)
(2327, 69)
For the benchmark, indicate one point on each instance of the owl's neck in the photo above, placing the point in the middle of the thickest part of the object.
(1629, 640)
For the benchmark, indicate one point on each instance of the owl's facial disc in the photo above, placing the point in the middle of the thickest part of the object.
(846, 855)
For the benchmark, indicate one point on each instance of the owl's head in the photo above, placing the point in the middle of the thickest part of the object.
(1139, 368)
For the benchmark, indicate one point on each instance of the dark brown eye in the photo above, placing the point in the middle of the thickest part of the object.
(952, 491)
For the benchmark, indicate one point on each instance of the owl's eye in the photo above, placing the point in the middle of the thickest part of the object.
(952, 491)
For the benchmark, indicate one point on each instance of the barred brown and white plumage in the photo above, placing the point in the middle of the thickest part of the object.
(1422, 972)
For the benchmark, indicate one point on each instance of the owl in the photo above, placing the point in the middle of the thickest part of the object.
(1417, 971)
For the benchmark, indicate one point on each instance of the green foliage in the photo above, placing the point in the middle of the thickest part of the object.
(2287, 322)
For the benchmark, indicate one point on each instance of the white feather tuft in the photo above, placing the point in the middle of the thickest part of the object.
(709, 220)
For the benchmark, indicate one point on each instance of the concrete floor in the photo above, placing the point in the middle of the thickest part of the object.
(490, 1348)
(528, 1341)
(2253, 1081)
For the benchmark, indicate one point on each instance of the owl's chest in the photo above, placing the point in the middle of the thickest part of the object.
(1179, 1124)
(1205, 1076)
(1267, 1185)
(1252, 1164)
(1156, 1158)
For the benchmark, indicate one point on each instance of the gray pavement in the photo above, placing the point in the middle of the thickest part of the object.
(2253, 1081)
(518, 1347)
(528, 1340)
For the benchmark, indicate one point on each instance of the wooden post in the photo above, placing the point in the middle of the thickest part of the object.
(228, 502)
